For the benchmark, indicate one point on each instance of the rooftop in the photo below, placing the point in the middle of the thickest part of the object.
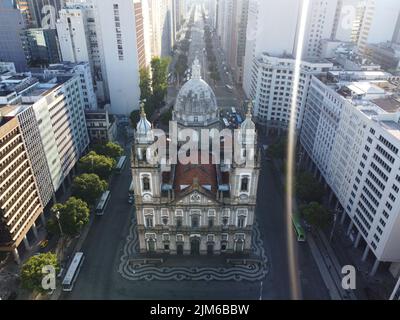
(204, 174)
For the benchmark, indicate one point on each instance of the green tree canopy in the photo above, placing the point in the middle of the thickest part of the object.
(308, 189)
(89, 187)
(159, 70)
(31, 271)
(316, 215)
(74, 215)
(145, 83)
(98, 164)
(110, 149)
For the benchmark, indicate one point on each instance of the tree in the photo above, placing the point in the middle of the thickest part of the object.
(308, 189)
(98, 164)
(73, 215)
(110, 149)
(316, 215)
(145, 83)
(135, 117)
(159, 70)
(32, 271)
(88, 187)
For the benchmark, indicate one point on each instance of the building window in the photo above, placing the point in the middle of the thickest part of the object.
(146, 184)
(210, 222)
(241, 221)
(149, 221)
(244, 186)
(179, 222)
(195, 221)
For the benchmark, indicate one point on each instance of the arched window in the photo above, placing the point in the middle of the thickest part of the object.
(146, 184)
(244, 186)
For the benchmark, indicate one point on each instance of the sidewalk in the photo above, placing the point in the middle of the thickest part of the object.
(323, 254)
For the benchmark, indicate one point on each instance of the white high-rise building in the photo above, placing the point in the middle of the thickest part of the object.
(320, 20)
(353, 20)
(80, 41)
(271, 88)
(117, 26)
(86, 32)
(273, 29)
(362, 23)
(351, 133)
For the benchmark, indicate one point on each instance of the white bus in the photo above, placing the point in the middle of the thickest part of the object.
(226, 123)
(101, 206)
(73, 271)
(120, 164)
(233, 110)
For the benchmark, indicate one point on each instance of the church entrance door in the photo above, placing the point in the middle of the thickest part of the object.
(195, 246)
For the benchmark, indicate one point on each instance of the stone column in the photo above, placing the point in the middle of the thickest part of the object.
(35, 232)
(330, 197)
(43, 219)
(350, 227)
(343, 217)
(26, 244)
(365, 254)
(357, 241)
(375, 268)
(15, 253)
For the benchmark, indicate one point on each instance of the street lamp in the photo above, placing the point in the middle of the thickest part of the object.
(334, 223)
(57, 214)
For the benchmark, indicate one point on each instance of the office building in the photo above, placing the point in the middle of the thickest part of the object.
(101, 125)
(52, 120)
(351, 133)
(81, 69)
(20, 203)
(41, 46)
(273, 29)
(84, 29)
(11, 26)
(272, 85)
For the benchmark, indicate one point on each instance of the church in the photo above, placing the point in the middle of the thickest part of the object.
(201, 208)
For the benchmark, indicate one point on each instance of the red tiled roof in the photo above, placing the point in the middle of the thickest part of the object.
(206, 174)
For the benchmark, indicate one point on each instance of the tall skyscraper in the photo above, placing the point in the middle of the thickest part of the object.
(117, 28)
(11, 26)
(362, 23)
(44, 13)
(86, 32)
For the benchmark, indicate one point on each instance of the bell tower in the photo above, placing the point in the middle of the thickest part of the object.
(146, 174)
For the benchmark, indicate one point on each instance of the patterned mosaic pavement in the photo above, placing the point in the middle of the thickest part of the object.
(250, 272)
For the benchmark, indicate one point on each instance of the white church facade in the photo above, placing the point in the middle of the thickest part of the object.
(194, 208)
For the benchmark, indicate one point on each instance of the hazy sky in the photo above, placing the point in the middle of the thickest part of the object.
(384, 21)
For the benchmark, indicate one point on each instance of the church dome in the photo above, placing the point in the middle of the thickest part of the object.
(196, 101)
